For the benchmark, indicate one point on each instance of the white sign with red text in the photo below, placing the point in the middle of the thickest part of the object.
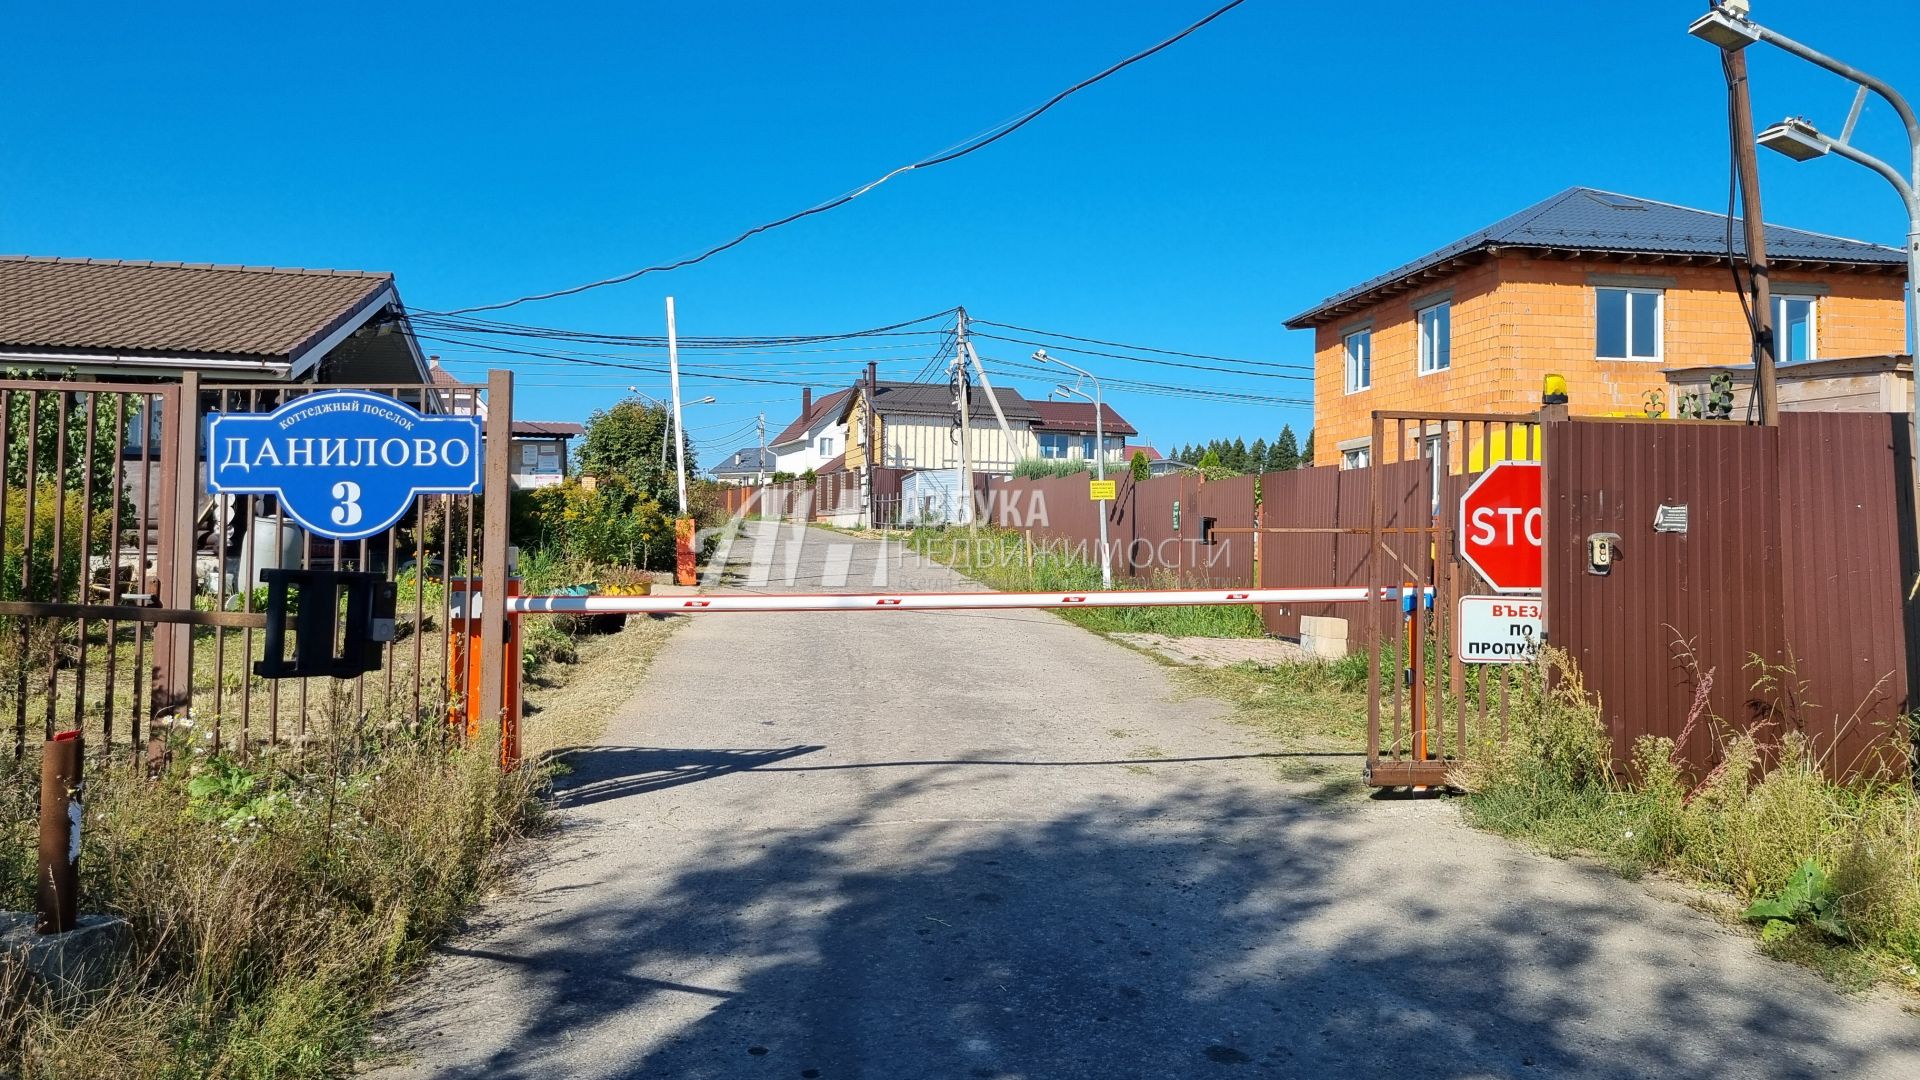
(1500, 629)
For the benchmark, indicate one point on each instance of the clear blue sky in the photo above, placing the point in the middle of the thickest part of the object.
(481, 151)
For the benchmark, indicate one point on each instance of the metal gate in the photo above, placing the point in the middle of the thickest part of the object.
(131, 606)
(1425, 708)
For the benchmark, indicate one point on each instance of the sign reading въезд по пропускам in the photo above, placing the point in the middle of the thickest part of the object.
(345, 464)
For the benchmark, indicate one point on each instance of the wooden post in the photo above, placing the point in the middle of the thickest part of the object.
(495, 496)
(1745, 157)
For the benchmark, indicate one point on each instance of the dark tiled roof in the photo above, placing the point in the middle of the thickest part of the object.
(1077, 417)
(743, 461)
(175, 308)
(936, 399)
(552, 429)
(1588, 220)
(822, 406)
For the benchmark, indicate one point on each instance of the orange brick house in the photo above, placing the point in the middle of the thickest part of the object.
(1611, 291)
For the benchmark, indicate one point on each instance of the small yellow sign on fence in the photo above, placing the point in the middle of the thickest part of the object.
(1102, 490)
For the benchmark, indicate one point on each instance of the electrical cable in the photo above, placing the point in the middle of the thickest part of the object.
(820, 208)
(1145, 360)
(1136, 348)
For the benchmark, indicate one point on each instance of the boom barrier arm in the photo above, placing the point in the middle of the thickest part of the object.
(693, 605)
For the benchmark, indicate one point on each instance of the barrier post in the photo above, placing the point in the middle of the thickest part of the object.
(466, 659)
(684, 557)
(56, 896)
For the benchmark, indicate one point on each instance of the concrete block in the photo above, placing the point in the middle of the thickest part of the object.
(1326, 626)
(74, 962)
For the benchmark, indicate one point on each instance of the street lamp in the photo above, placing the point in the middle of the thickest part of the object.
(1099, 448)
(1727, 26)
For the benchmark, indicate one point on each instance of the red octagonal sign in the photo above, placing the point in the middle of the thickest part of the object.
(1501, 523)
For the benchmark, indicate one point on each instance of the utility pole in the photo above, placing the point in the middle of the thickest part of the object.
(679, 432)
(870, 449)
(966, 422)
(1747, 165)
(760, 462)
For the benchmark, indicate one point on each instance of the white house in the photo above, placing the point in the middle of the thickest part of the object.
(815, 438)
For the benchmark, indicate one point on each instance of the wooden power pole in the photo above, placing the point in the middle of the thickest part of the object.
(1747, 164)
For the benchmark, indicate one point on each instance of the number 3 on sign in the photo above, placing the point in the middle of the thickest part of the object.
(348, 511)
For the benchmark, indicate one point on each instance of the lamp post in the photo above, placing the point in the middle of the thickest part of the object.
(1099, 449)
(1728, 27)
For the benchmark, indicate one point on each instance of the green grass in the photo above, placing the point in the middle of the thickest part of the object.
(1314, 706)
(999, 558)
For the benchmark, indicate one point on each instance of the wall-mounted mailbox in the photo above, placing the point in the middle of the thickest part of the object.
(341, 621)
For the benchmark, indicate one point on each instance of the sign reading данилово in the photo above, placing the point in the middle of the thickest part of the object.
(345, 464)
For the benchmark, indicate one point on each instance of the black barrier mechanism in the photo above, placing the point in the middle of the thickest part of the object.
(327, 640)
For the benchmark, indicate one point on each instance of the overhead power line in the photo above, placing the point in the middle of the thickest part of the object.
(978, 143)
(1135, 348)
(1146, 360)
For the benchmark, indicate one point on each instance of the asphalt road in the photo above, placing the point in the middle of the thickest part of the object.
(930, 845)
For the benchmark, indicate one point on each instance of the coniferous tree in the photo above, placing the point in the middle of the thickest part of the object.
(1285, 453)
(1306, 452)
(1236, 455)
(1257, 456)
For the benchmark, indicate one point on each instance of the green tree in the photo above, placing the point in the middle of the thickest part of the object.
(1140, 466)
(634, 440)
(1306, 452)
(1236, 455)
(1209, 460)
(1285, 452)
(1257, 456)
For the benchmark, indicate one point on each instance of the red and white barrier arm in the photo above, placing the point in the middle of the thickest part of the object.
(928, 601)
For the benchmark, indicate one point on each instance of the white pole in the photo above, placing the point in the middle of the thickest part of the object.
(992, 601)
(679, 432)
(1100, 470)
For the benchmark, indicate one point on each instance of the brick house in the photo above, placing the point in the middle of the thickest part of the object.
(1611, 291)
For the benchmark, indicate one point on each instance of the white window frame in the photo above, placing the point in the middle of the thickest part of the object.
(1813, 325)
(1429, 358)
(1659, 324)
(1061, 445)
(1356, 457)
(1359, 375)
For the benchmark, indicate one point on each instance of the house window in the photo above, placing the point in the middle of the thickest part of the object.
(1793, 328)
(1436, 337)
(1627, 324)
(1053, 447)
(1358, 457)
(826, 445)
(1359, 360)
(1086, 447)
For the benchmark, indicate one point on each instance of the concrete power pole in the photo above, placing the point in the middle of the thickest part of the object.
(966, 422)
(760, 462)
(1745, 157)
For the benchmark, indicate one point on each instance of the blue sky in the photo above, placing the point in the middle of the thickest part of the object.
(482, 151)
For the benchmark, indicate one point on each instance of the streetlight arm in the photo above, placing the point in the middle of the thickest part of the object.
(1853, 74)
(1859, 156)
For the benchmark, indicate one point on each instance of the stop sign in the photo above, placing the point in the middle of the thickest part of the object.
(1501, 525)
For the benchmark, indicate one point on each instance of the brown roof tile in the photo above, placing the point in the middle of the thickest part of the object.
(160, 307)
(1077, 416)
(822, 406)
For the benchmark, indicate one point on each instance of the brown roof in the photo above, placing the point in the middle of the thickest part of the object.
(553, 429)
(937, 399)
(822, 407)
(175, 308)
(1077, 417)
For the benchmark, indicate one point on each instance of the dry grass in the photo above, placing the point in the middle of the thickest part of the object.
(275, 900)
(1745, 828)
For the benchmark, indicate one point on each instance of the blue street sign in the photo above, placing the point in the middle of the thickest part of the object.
(345, 464)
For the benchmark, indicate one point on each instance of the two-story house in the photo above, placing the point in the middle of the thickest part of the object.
(919, 427)
(816, 437)
(1066, 431)
(1610, 291)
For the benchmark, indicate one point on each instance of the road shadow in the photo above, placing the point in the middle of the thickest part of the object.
(1196, 934)
(601, 773)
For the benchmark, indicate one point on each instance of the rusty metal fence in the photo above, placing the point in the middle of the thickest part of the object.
(1426, 710)
(131, 601)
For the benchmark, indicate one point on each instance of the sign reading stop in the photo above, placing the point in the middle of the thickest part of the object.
(1501, 525)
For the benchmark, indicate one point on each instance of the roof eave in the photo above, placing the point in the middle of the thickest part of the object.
(1327, 312)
